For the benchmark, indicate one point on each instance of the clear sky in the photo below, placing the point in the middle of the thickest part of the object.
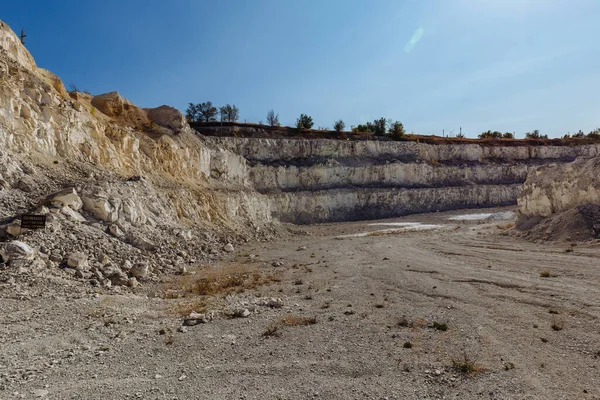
(507, 65)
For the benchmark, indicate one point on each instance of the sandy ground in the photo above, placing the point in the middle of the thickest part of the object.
(370, 296)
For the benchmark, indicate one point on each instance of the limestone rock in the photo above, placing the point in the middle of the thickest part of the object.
(228, 248)
(77, 260)
(15, 250)
(72, 214)
(67, 197)
(167, 117)
(101, 207)
(139, 270)
(116, 231)
(141, 243)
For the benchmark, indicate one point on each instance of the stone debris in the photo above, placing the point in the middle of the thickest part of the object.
(196, 318)
(77, 260)
(228, 248)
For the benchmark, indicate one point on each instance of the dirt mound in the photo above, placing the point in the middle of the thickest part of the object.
(579, 224)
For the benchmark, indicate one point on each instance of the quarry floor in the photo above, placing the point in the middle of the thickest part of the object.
(525, 336)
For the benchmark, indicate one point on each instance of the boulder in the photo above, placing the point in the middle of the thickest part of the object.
(67, 197)
(101, 207)
(15, 250)
(119, 278)
(116, 231)
(141, 243)
(77, 260)
(167, 117)
(139, 270)
(72, 215)
(228, 248)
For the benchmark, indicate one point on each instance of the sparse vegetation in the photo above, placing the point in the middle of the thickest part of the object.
(339, 126)
(545, 274)
(440, 326)
(295, 320)
(465, 365)
(407, 345)
(404, 323)
(272, 331)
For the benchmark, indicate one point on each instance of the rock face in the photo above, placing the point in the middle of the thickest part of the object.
(555, 188)
(311, 181)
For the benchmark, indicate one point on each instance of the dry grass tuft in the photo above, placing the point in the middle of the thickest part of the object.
(545, 274)
(296, 320)
(235, 278)
(272, 331)
(466, 365)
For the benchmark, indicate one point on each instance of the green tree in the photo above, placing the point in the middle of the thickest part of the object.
(339, 126)
(533, 135)
(490, 135)
(206, 112)
(396, 130)
(378, 127)
(508, 135)
(304, 122)
(191, 113)
(229, 113)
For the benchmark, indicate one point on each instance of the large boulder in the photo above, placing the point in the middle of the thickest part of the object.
(15, 250)
(101, 207)
(67, 197)
(167, 117)
(78, 260)
(111, 104)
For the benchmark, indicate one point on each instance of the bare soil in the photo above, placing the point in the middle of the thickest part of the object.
(462, 311)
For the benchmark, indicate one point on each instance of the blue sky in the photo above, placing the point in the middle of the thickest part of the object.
(507, 65)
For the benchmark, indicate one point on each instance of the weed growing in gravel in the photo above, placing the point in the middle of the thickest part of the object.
(272, 331)
(508, 366)
(545, 274)
(465, 365)
(404, 323)
(295, 320)
(298, 282)
(557, 324)
(544, 340)
(440, 326)
(407, 345)
(552, 311)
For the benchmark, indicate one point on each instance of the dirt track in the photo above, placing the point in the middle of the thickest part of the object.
(481, 281)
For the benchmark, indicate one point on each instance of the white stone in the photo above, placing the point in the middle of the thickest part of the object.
(16, 250)
(67, 197)
(72, 214)
(77, 260)
(228, 248)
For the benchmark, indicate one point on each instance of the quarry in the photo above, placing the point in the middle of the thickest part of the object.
(180, 264)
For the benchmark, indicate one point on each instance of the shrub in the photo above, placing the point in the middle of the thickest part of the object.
(440, 326)
(339, 126)
(396, 130)
(465, 365)
(304, 122)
